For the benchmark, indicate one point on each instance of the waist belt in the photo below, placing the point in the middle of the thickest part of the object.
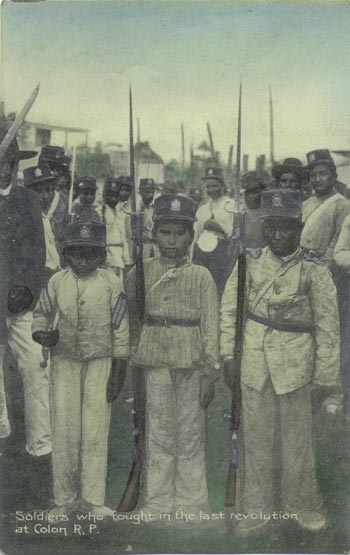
(160, 321)
(280, 326)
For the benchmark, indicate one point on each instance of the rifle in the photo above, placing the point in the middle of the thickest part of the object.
(234, 416)
(132, 489)
(11, 134)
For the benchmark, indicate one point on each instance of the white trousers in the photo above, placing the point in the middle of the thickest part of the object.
(262, 410)
(28, 357)
(175, 440)
(80, 417)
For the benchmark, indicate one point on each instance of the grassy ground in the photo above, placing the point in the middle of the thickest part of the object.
(25, 487)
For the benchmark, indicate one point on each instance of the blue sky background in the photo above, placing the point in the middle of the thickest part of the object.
(184, 61)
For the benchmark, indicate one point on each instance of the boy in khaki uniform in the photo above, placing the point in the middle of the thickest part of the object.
(86, 306)
(290, 355)
(178, 349)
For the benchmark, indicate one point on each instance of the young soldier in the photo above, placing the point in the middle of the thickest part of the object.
(324, 214)
(178, 349)
(117, 246)
(290, 354)
(147, 191)
(253, 184)
(82, 208)
(289, 174)
(86, 307)
(42, 183)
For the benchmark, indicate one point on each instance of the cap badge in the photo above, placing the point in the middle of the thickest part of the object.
(175, 205)
(85, 232)
(210, 171)
(277, 200)
(38, 172)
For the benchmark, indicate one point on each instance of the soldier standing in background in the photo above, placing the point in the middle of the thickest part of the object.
(253, 185)
(288, 175)
(324, 214)
(53, 157)
(82, 208)
(22, 253)
(147, 191)
(42, 183)
(117, 246)
(212, 245)
(124, 211)
(290, 357)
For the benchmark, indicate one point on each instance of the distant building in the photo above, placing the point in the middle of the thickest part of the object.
(147, 162)
(35, 135)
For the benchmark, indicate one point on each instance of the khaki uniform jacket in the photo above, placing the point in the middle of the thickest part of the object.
(295, 291)
(186, 292)
(89, 312)
(323, 220)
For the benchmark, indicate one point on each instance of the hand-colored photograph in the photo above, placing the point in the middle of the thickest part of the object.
(174, 277)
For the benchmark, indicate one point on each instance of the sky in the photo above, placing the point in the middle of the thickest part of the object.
(184, 61)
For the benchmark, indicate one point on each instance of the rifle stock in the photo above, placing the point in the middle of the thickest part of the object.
(131, 493)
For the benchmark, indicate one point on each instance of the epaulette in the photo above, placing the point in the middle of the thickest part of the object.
(254, 253)
(312, 258)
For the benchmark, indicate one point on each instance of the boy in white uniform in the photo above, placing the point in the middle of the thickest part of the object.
(86, 306)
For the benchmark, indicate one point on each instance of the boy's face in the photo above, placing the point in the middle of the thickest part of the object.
(173, 238)
(282, 235)
(87, 196)
(147, 195)
(125, 192)
(84, 260)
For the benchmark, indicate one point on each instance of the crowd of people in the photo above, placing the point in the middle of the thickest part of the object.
(69, 314)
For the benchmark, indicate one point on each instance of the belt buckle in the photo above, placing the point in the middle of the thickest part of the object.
(164, 322)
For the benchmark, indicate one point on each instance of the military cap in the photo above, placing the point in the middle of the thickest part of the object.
(174, 207)
(147, 183)
(87, 182)
(320, 156)
(213, 172)
(112, 184)
(85, 234)
(13, 152)
(281, 203)
(124, 180)
(290, 165)
(252, 179)
(34, 175)
(51, 155)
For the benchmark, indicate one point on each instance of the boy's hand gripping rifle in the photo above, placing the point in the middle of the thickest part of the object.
(233, 368)
(131, 493)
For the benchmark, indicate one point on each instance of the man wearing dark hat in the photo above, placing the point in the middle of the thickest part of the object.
(147, 190)
(83, 209)
(178, 350)
(22, 254)
(117, 246)
(53, 157)
(214, 229)
(288, 175)
(90, 345)
(42, 183)
(253, 184)
(324, 214)
(290, 356)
